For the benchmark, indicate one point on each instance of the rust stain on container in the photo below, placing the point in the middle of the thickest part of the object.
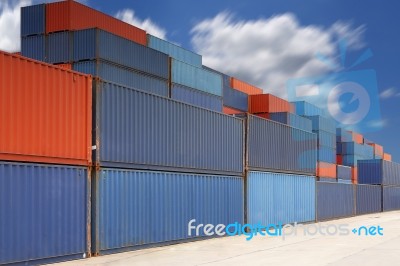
(245, 87)
(45, 112)
(70, 15)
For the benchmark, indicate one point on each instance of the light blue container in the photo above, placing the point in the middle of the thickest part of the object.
(363, 150)
(174, 51)
(307, 109)
(326, 139)
(140, 208)
(320, 123)
(274, 198)
(343, 135)
(326, 154)
(292, 120)
(195, 77)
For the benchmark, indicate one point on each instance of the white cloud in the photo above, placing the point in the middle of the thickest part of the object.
(388, 93)
(378, 123)
(268, 52)
(128, 15)
(10, 14)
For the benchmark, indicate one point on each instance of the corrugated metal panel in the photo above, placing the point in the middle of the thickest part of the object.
(326, 154)
(99, 44)
(231, 111)
(277, 147)
(307, 109)
(326, 139)
(34, 47)
(320, 123)
(330, 205)
(195, 77)
(343, 172)
(369, 199)
(391, 198)
(33, 20)
(352, 160)
(135, 208)
(327, 170)
(136, 129)
(235, 99)
(292, 120)
(71, 15)
(123, 76)
(59, 47)
(226, 80)
(268, 103)
(329, 179)
(280, 198)
(245, 87)
(343, 135)
(174, 51)
(44, 212)
(378, 150)
(344, 181)
(196, 97)
(46, 113)
(363, 150)
(379, 172)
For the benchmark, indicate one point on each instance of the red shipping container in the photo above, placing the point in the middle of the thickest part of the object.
(268, 103)
(354, 175)
(339, 159)
(378, 149)
(387, 157)
(45, 112)
(245, 87)
(263, 115)
(327, 170)
(231, 111)
(70, 15)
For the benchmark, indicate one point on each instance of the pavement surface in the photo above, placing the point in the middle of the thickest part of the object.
(351, 249)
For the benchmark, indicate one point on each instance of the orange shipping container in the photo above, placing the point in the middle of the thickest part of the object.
(327, 170)
(45, 112)
(70, 15)
(268, 103)
(378, 149)
(387, 157)
(231, 111)
(354, 175)
(245, 87)
(65, 66)
(357, 138)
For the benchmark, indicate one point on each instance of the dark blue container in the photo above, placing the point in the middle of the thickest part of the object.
(59, 46)
(34, 47)
(335, 200)
(139, 130)
(276, 147)
(33, 20)
(326, 154)
(344, 172)
(378, 172)
(320, 123)
(235, 99)
(391, 198)
(326, 139)
(292, 120)
(196, 97)
(134, 208)
(369, 199)
(343, 135)
(352, 160)
(123, 76)
(98, 44)
(44, 213)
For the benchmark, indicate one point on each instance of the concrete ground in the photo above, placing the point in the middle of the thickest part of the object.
(294, 250)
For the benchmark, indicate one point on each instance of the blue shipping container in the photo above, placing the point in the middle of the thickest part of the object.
(226, 80)
(34, 47)
(320, 123)
(274, 198)
(292, 120)
(335, 200)
(307, 109)
(391, 198)
(44, 213)
(123, 76)
(344, 172)
(174, 51)
(351, 160)
(137, 208)
(326, 139)
(235, 99)
(343, 135)
(363, 150)
(276, 147)
(59, 47)
(135, 129)
(196, 97)
(369, 199)
(326, 154)
(33, 20)
(195, 77)
(378, 172)
(98, 44)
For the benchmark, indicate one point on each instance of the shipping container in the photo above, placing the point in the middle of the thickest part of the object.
(268, 103)
(123, 76)
(357, 138)
(195, 77)
(46, 112)
(363, 150)
(368, 199)
(266, 116)
(326, 170)
(339, 159)
(226, 80)
(245, 87)
(276, 147)
(292, 120)
(140, 208)
(391, 198)
(231, 111)
(307, 109)
(174, 51)
(326, 139)
(344, 172)
(378, 150)
(44, 213)
(33, 20)
(71, 15)
(387, 157)
(379, 172)
(34, 47)
(326, 154)
(98, 44)
(59, 47)
(343, 135)
(354, 175)
(320, 123)
(65, 66)
(135, 129)
(235, 99)
(274, 198)
(344, 181)
(335, 200)
(328, 179)
(196, 97)
(351, 160)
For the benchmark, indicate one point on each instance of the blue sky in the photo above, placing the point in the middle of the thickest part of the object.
(286, 34)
